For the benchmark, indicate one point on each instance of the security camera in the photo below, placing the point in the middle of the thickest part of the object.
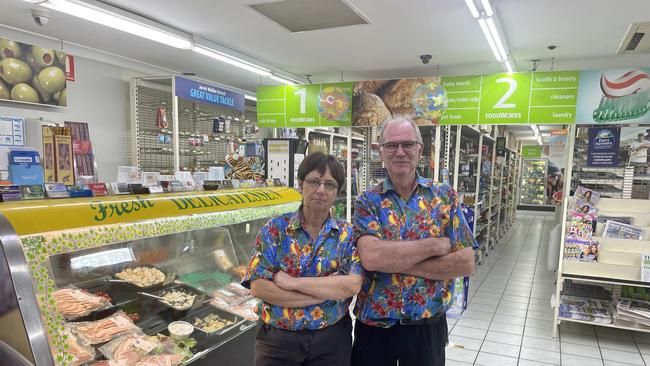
(425, 59)
(41, 17)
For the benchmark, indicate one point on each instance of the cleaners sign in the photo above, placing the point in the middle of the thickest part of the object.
(209, 94)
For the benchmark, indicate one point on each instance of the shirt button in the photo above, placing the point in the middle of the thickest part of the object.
(403, 311)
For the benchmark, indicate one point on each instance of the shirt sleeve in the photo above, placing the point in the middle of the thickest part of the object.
(350, 261)
(365, 221)
(262, 264)
(459, 232)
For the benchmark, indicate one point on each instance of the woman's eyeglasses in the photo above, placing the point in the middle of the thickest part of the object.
(315, 184)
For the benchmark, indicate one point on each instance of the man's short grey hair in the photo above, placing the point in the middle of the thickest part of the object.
(400, 119)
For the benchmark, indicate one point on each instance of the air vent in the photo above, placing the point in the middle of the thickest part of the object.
(308, 15)
(636, 40)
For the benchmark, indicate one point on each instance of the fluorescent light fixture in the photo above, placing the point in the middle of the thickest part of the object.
(117, 21)
(497, 39)
(488, 36)
(219, 56)
(508, 66)
(487, 7)
(284, 80)
(472, 8)
(250, 97)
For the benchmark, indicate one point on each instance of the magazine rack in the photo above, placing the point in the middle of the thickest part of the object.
(619, 260)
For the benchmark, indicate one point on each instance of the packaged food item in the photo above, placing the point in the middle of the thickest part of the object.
(245, 309)
(130, 348)
(221, 260)
(211, 323)
(104, 330)
(180, 330)
(160, 360)
(238, 289)
(73, 303)
(81, 354)
(142, 276)
(239, 272)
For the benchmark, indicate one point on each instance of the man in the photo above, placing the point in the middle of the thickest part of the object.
(412, 241)
(639, 149)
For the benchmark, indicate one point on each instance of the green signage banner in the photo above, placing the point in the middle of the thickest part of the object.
(308, 105)
(518, 98)
(531, 151)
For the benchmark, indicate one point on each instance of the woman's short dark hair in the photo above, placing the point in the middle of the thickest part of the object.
(320, 162)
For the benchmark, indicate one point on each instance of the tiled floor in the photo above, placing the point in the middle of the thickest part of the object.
(509, 319)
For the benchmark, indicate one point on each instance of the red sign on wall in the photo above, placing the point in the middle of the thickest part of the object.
(69, 67)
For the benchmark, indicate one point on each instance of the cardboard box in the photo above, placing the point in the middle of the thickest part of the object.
(49, 168)
(57, 155)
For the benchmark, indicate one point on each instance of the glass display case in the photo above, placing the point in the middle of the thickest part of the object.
(533, 182)
(104, 278)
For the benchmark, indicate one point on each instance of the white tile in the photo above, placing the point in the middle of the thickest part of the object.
(546, 315)
(579, 349)
(643, 347)
(621, 356)
(482, 307)
(616, 363)
(619, 345)
(503, 338)
(466, 342)
(475, 314)
(509, 319)
(487, 295)
(640, 337)
(578, 339)
(539, 343)
(523, 362)
(646, 358)
(458, 354)
(512, 299)
(536, 323)
(573, 360)
(489, 359)
(577, 328)
(513, 305)
(535, 306)
(539, 333)
(514, 312)
(449, 362)
(507, 328)
(469, 332)
(474, 323)
(483, 300)
(612, 333)
(535, 354)
(509, 350)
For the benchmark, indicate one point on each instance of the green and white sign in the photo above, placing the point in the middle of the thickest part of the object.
(531, 151)
(309, 105)
(518, 98)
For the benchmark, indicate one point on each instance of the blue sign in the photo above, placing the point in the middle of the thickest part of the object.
(603, 146)
(210, 94)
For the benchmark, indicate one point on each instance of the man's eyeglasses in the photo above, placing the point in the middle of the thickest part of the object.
(315, 184)
(391, 147)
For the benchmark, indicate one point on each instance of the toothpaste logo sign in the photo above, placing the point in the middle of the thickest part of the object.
(603, 146)
(614, 96)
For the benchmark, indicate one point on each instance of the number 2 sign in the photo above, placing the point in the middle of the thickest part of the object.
(505, 98)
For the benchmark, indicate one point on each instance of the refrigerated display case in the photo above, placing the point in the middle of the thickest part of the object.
(533, 182)
(91, 271)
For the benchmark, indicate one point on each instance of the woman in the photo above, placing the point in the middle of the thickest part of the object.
(305, 269)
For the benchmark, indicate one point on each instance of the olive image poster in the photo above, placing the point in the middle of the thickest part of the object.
(32, 74)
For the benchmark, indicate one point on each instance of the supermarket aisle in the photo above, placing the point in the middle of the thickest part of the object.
(509, 317)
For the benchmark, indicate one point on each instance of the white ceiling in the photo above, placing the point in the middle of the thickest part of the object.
(587, 34)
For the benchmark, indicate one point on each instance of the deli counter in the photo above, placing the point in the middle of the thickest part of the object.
(103, 278)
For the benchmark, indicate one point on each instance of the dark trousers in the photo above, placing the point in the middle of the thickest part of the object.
(412, 345)
(329, 346)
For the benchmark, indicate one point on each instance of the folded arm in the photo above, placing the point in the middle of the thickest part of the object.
(334, 288)
(271, 293)
(393, 256)
(456, 264)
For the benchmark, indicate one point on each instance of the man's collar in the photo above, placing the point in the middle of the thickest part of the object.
(388, 185)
